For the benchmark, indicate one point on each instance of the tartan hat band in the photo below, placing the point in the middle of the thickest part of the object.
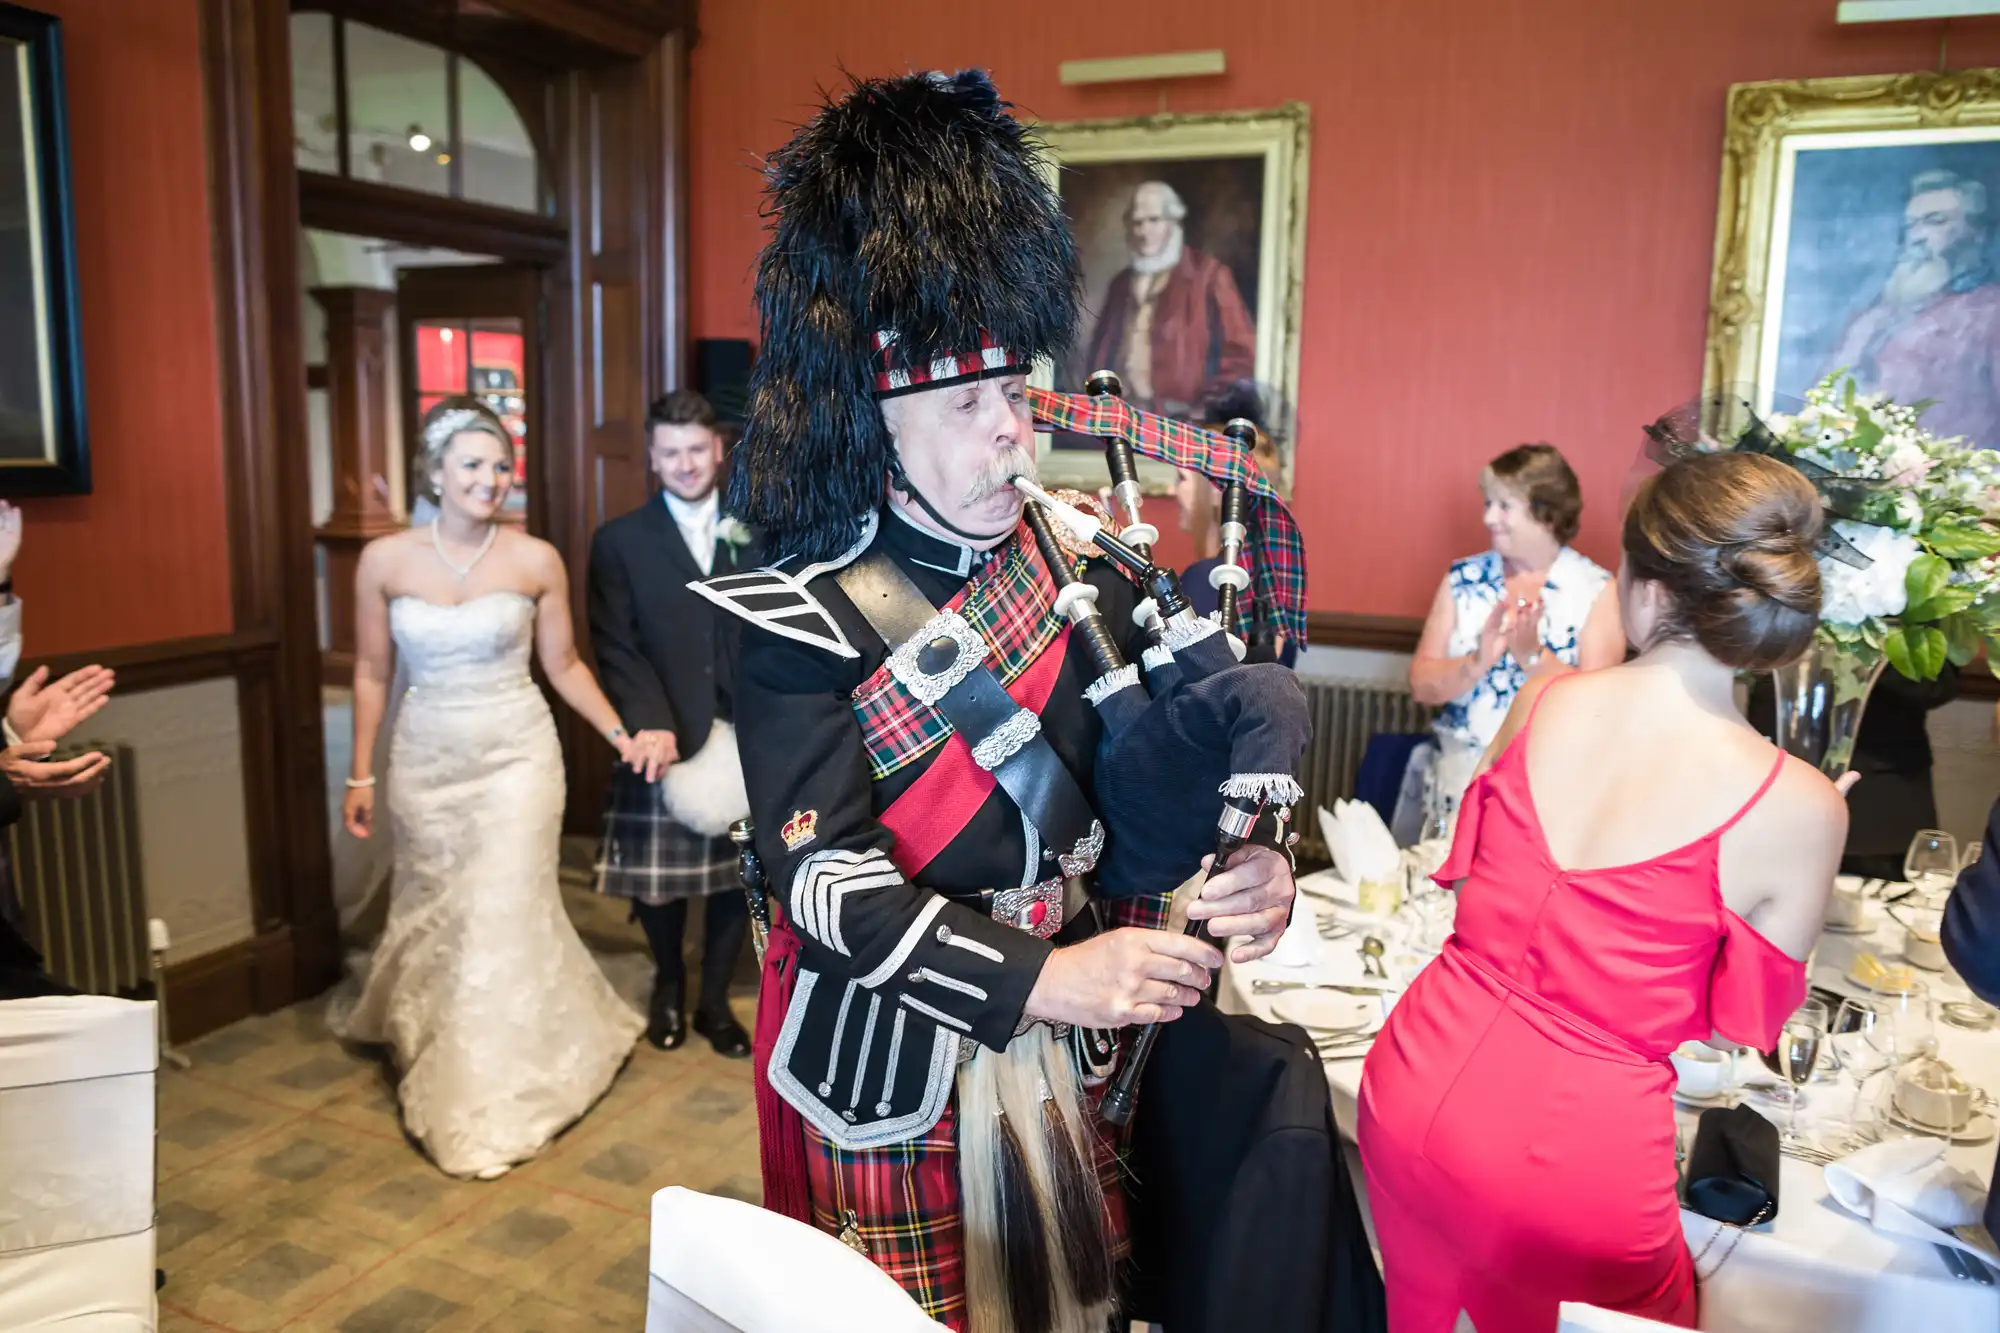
(894, 376)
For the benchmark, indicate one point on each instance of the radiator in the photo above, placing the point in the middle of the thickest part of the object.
(76, 866)
(1345, 713)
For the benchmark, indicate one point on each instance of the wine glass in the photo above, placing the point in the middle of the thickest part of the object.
(1931, 863)
(1859, 1049)
(1798, 1051)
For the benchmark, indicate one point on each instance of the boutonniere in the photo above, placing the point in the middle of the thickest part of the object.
(734, 533)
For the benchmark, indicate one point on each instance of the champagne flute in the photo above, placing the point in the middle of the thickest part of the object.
(1931, 863)
(1798, 1054)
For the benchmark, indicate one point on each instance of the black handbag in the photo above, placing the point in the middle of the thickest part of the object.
(1732, 1170)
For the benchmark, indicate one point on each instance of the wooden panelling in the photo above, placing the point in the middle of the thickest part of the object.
(1341, 629)
(151, 666)
(247, 61)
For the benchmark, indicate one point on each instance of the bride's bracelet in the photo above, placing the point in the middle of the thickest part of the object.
(360, 784)
(615, 735)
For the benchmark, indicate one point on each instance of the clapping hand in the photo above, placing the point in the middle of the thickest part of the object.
(1493, 635)
(36, 777)
(40, 711)
(1524, 639)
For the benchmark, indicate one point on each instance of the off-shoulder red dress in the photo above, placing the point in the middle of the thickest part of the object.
(1517, 1122)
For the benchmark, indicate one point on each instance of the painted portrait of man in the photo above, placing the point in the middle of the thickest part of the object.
(1172, 322)
(1885, 254)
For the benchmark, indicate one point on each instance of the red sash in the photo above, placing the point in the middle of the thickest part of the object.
(942, 801)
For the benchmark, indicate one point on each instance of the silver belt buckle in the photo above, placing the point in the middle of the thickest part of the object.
(1034, 908)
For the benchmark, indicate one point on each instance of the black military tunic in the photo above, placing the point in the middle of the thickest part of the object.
(893, 975)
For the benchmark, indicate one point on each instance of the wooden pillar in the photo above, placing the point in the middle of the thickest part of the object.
(358, 414)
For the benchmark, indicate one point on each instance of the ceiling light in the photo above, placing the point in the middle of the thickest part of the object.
(419, 141)
(444, 159)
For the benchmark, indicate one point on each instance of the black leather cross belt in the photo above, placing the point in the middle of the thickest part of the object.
(940, 658)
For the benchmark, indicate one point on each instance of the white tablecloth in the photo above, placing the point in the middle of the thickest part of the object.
(1816, 1268)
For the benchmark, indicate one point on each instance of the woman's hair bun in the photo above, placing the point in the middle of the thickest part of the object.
(1730, 537)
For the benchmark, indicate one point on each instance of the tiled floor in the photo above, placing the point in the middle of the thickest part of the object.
(290, 1199)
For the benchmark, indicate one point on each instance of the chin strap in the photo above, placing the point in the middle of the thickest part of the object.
(900, 481)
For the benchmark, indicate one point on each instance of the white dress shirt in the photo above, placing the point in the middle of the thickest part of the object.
(696, 519)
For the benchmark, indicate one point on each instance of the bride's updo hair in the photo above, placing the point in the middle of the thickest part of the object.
(1730, 538)
(450, 417)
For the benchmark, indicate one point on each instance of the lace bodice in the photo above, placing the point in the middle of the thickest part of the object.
(480, 644)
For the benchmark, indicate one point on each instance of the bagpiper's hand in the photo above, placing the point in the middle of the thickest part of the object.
(1250, 900)
(1122, 978)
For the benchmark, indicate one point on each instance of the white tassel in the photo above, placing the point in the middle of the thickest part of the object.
(1269, 788)
(1108, 684)
(1183, 634)
(704, 792)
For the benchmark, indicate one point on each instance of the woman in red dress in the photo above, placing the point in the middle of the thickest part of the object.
(1636, 868)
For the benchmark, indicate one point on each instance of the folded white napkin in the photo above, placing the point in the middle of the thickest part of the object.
(1359, 842)
(1300, 945)
(1905, 1187)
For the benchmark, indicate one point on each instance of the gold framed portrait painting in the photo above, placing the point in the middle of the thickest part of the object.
(1191, 234)
(42, 444)
(1855, 232)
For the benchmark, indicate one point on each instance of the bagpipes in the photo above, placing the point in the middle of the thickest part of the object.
(1206, 730)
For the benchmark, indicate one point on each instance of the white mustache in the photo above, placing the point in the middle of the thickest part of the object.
(999, 472)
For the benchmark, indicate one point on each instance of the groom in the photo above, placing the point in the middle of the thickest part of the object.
(667, 660)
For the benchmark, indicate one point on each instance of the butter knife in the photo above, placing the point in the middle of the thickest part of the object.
(1265, 987)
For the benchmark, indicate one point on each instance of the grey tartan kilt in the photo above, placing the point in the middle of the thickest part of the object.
(647, 857)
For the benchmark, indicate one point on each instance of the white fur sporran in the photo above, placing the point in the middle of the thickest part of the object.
(704, 791)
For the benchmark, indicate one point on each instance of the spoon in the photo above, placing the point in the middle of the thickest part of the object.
(1372, 950)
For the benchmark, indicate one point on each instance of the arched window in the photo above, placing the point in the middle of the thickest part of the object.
(375, 106)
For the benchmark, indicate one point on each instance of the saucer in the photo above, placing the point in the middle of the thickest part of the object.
(1720, 1099)
(1831, 928)
(1979, 1129)
(1326, 1011)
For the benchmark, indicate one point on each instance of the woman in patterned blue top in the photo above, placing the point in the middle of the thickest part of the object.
(1528, 606)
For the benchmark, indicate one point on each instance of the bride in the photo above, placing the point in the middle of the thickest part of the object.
(502, 1025)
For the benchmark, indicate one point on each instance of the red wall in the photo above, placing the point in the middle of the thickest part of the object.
(145, 557)
(1510, 223)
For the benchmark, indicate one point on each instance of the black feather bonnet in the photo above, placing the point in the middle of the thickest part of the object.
(917, 206)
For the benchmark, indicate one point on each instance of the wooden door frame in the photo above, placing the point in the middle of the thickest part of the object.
(273, 649)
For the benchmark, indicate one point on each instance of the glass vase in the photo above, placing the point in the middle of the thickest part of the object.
(1820, 701)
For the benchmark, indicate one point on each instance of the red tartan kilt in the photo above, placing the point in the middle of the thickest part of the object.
(905, 1201)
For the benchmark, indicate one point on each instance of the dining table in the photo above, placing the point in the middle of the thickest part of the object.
(1816, 1267)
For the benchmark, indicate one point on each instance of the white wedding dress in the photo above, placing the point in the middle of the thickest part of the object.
(503, 1026)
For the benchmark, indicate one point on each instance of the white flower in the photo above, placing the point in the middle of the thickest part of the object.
(1908, 464)
(1849, 596)
(733, 531)
(1909, 513)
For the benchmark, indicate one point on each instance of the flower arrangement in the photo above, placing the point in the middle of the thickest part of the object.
(1923, 512)
(734, 532)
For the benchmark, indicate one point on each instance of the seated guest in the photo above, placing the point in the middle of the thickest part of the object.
(1515, 1122)
(1527, 607)
(1199, 503)
(1972, 943)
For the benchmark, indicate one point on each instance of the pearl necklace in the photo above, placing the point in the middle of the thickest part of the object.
(463, 571)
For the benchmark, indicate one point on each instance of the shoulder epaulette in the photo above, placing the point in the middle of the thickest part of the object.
(776, 599)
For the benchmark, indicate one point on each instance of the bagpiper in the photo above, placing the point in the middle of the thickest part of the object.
(944, 986)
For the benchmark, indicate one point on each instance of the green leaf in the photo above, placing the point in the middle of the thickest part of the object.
(1927, 578)
(1962, 639)
(1847, 398)
(1957, 539)
(1948, 602)
(1919, 652)
(1866, 436)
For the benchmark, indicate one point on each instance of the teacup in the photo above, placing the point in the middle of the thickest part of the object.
(1931, 1093)
(1845, 907)
(1704, 1071)
(1922, 927)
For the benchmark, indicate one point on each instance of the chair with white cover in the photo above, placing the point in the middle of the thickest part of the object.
(77, 1109)
(1574, 1317)
(725, 1266)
